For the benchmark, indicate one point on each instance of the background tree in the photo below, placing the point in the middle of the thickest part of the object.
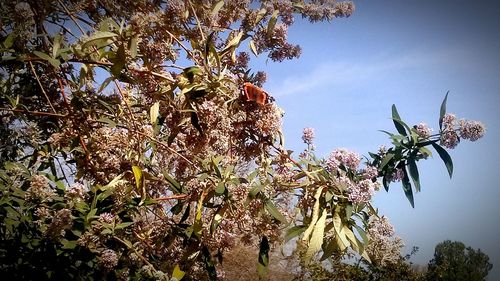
(455, 261)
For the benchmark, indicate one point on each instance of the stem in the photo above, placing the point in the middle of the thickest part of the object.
(171, 197)
(71, 16)
(41, 87)
(34, 112)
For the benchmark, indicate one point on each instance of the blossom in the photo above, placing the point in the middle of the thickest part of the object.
(423, 130)
(471, 130)
(308, 135)
(449, 137)
(342, 156)
(108, 259)
(383, 246)
(106, 218)
(39, 189)
(398, 175)
(361, 192)
(369, 172)
(61, 221)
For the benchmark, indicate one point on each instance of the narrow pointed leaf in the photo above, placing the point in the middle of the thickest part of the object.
(315, 215)
(139, 178)
(442, 112)
(407, 188)
(217, 7)
(209, 264)
(272, 23)
(445, 157)
(274, 212)
(412, 168)
(316, 237)
(395, 116)
(294, 232)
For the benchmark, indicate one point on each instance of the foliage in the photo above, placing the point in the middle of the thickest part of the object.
(129, 151)
(455, 261)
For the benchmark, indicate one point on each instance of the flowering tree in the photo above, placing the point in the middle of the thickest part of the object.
(130, 151)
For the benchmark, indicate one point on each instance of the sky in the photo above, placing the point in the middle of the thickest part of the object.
(408, 53)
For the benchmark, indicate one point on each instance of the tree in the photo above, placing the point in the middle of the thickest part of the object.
(133, 147)
(455, 261)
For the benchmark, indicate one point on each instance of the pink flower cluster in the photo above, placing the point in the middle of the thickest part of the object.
(423, 131)
(468, 129)
(342, 156)
(308, 135)
(361, 192)
(449, 137)
(471, 130)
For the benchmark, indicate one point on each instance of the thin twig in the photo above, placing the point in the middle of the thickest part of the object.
(171, 197)
(62, 170)
(170, 149)
(180, 44)
(34, 112)
(70, 14)
(198, 23)
(135, 251)
(41, 87)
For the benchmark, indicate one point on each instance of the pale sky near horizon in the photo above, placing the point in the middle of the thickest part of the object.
(409, 53)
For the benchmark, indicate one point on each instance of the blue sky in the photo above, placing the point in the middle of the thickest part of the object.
(409, 53)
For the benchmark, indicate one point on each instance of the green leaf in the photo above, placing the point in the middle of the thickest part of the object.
(316, 237)
(139, 177)
(56, 45)
(173, 183)
(217, 219)
(253, 48)
(445, 157)
(209, 264)
(98, 36)
(133, 46)
(274, 211)
(9, 40)
(69, 245)
(388, 157)
(263, 263)
(328, 249)
(154, 112)
(198, 223)
(294, 232)
(119, 62)
(108, 121)
(395, 116)
(412, 167)
(234, 42)
(442, 112)
(105, 83)
(315, 215)
(407, 188)
(48, 58)
(177, 274)
(217, 7)
(362, 233)
(350, 236)
(272, 23)
(123, 225)
(220, 188)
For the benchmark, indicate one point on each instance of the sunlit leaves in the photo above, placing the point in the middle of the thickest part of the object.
(317, 236)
